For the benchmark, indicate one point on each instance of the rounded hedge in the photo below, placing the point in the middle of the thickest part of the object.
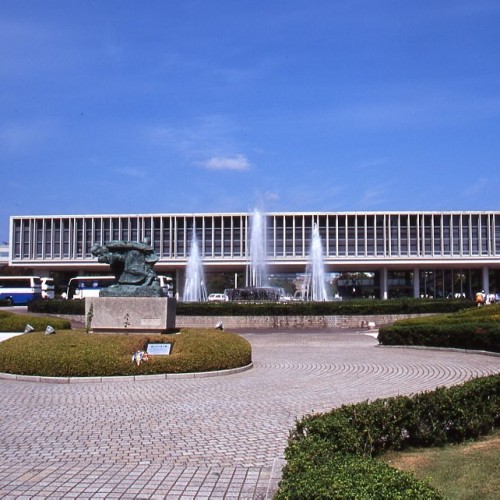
(74, 353)
(10, 322)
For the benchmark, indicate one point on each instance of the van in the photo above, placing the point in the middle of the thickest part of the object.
(48, 289)
(218, 297)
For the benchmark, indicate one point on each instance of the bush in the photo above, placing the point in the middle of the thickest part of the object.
(331, 455)
(349, 308)
(477, 328)
(490, 314)
(58, 306)
(315, 472)
(475, 336)
(10, 322)
(79, 354)
(428, 419)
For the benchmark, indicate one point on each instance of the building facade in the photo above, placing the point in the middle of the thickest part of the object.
(444, 253)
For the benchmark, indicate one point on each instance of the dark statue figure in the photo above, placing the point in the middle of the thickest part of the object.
(132, 264)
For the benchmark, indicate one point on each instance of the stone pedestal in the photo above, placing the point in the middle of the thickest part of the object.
(130, 314)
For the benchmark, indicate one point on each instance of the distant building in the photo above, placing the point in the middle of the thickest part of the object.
(4, 255)
(437, 254)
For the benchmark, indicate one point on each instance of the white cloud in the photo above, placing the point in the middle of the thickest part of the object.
(477, 187)
(271, 196)
(238, 163)
(373, 197)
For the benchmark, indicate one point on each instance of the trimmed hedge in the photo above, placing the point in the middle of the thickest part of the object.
(488, 314)
(58, 306)
(78, 354)
(477, 336)
(348, 308)
(10, 322)
(476, 328)
(314, 472)
(331, 455)
(336, 308)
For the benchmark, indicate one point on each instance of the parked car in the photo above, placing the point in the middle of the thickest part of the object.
(218, 297)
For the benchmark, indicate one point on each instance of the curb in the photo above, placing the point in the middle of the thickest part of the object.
(122, 378)
(433, 348)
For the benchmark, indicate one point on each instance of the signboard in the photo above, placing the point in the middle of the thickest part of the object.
(159, 349)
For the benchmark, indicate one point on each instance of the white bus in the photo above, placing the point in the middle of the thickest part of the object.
(87, 286)
(90, 286)
(48, 288)
(167, 285)
(20, 290)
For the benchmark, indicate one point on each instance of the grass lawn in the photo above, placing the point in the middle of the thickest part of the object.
(75, 353)
(462, 471)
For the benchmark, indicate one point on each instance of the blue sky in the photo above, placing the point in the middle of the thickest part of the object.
(118, 106)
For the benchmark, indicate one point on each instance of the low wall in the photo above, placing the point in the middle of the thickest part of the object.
(284, 322)
(291, 322)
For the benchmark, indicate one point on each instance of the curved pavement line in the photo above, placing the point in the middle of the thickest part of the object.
(205, 437)
(124, 378)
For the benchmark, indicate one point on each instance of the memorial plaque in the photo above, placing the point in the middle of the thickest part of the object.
(130, 314)
(151, 321)
(159, 349)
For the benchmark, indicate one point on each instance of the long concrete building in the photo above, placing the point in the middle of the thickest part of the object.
(431, 253)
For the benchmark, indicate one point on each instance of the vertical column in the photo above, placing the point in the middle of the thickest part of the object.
(416, 283)
(486, 280)
(384, 283)
(180, 278)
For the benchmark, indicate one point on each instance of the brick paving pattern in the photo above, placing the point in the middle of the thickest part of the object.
(215, 437)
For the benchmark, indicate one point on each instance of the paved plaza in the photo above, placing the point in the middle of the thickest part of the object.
(214, 437)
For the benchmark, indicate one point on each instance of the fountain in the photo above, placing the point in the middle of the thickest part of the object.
(194, 287)
(257, 272)
(315, 271)
(256, 289)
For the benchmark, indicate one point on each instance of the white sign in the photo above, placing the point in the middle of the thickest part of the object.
(159, 349)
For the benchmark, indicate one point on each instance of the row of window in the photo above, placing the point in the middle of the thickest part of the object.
(287, 235)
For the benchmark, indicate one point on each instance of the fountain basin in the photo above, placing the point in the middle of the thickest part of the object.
(255, 294)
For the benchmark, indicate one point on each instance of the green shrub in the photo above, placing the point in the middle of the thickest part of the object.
(79, 354)
(57, 306)
(313, 471)
(475, 328)
(349, 308)
(10, 322)
(331, 455)
(490, 314)
(431, 418)
(477, 336)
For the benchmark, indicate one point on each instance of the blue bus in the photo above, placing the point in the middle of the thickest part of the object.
(20, 290)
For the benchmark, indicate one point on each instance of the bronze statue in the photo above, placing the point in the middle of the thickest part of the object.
(132, 264)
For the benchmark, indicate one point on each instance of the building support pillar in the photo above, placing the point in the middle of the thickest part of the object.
(486, 280)
(180, 279)
(416, 283)
(384, 281)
